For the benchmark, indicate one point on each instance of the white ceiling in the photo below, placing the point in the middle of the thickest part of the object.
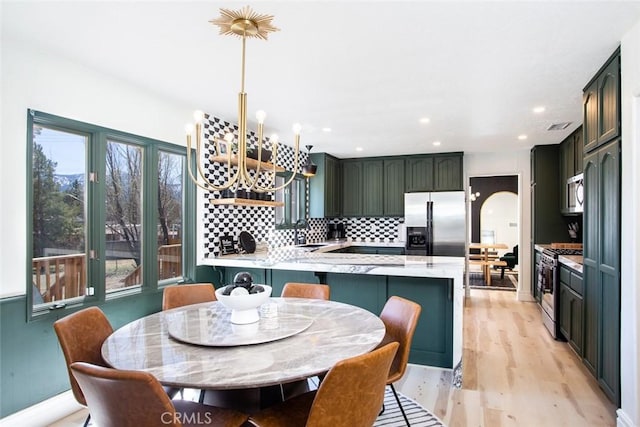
(368, 70)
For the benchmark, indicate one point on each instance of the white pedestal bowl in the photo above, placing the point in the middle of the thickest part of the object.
(244, 308)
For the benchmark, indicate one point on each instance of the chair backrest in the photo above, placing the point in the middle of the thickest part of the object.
(400, 318)
(118, 398)
(352, 393)
(181, 295)
(306, 290)
(81, 335)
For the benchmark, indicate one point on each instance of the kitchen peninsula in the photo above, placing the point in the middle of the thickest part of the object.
(367, 280)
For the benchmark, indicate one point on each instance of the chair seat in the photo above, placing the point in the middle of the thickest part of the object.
(293, 412)
(197, 414)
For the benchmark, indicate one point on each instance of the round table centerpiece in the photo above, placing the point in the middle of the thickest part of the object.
(243, 298)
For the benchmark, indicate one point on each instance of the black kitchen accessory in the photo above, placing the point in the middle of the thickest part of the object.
(227, 245)
(247, 242)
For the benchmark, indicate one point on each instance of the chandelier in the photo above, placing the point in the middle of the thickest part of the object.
(243, 23)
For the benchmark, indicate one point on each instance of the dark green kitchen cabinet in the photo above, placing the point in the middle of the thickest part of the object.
(601, 105)
(571, 308)
(372, 188)
(352, 188)
(433, 339)
(547, 223)
(362, 290)
(447, 172)
(325, 188)
(419, 174)
(394, 187)
(601, 268)
(439, 172)
(571, 159)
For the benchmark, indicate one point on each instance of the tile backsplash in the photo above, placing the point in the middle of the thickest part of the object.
(220, 220)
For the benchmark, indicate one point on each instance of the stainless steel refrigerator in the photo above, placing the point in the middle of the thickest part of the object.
(435, 223)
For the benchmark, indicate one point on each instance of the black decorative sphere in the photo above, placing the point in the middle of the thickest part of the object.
(243, 279)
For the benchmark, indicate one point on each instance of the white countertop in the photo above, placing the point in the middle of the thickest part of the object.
(316, 261)
(572, 261)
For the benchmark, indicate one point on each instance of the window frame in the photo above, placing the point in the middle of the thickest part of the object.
(302, 194)
(95, 215)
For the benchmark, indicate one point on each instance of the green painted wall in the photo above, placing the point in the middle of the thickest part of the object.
(32, 367)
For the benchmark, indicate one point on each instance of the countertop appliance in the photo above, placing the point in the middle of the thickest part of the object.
(549, 287)
(575, 194)
(336, 231)
(435, 223)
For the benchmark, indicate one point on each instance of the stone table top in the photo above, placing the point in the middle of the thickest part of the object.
(338, 331)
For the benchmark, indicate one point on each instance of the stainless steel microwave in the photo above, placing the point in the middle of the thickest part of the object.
(575, 194)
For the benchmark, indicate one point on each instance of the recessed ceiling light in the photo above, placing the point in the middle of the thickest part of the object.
(359, 148)
(425, 120)
(326, 130)
(436, 143)
(539, 109)
(522, 137)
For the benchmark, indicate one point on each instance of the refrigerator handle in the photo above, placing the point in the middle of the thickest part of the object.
(429, 228)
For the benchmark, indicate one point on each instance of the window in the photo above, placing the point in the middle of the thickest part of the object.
(94, 233)
(294, 197)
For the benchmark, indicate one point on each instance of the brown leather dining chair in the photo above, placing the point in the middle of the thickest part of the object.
(306, 290)
(175, 296)
(81, 335)
(119, 398)
(180, 295)
(400, 318)
(350, 395)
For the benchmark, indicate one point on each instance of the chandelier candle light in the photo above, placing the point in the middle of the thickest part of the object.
(243, 23)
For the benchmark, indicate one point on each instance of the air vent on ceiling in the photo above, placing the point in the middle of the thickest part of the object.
(559, 126)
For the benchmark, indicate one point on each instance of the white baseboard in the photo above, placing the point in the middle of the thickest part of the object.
(623, 420)
(43, 413)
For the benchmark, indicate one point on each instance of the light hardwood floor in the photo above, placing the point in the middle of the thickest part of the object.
(514, 374)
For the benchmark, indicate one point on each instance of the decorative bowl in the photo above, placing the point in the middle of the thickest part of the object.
(244, 308)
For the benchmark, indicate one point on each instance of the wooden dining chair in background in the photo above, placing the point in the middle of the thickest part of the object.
(81, 335)
(400, 318)
(119, 398)
(351, 395)
(180, 295)
(306, 290)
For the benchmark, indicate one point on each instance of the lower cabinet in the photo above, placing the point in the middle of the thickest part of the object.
(571, 317)
(571, 308)
(433, 340)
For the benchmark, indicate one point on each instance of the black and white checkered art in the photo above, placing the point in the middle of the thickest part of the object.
(231, 220)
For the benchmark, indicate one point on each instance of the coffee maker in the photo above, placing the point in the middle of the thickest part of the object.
(336, 231)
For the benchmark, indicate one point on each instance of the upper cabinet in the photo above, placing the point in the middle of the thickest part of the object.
(570, 164)
(419, 174)
(325, 188)
(372, 188)
(447, 172)
(352, 187)
(440, 172)
(601, 105)
(394, 187)
(375, 186)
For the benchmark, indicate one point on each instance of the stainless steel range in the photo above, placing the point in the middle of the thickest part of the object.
(549, 287)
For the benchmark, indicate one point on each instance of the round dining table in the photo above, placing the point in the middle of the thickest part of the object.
(197, 346)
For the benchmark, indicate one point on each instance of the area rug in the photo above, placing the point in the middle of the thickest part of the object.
(509, 282)
(392, 417)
